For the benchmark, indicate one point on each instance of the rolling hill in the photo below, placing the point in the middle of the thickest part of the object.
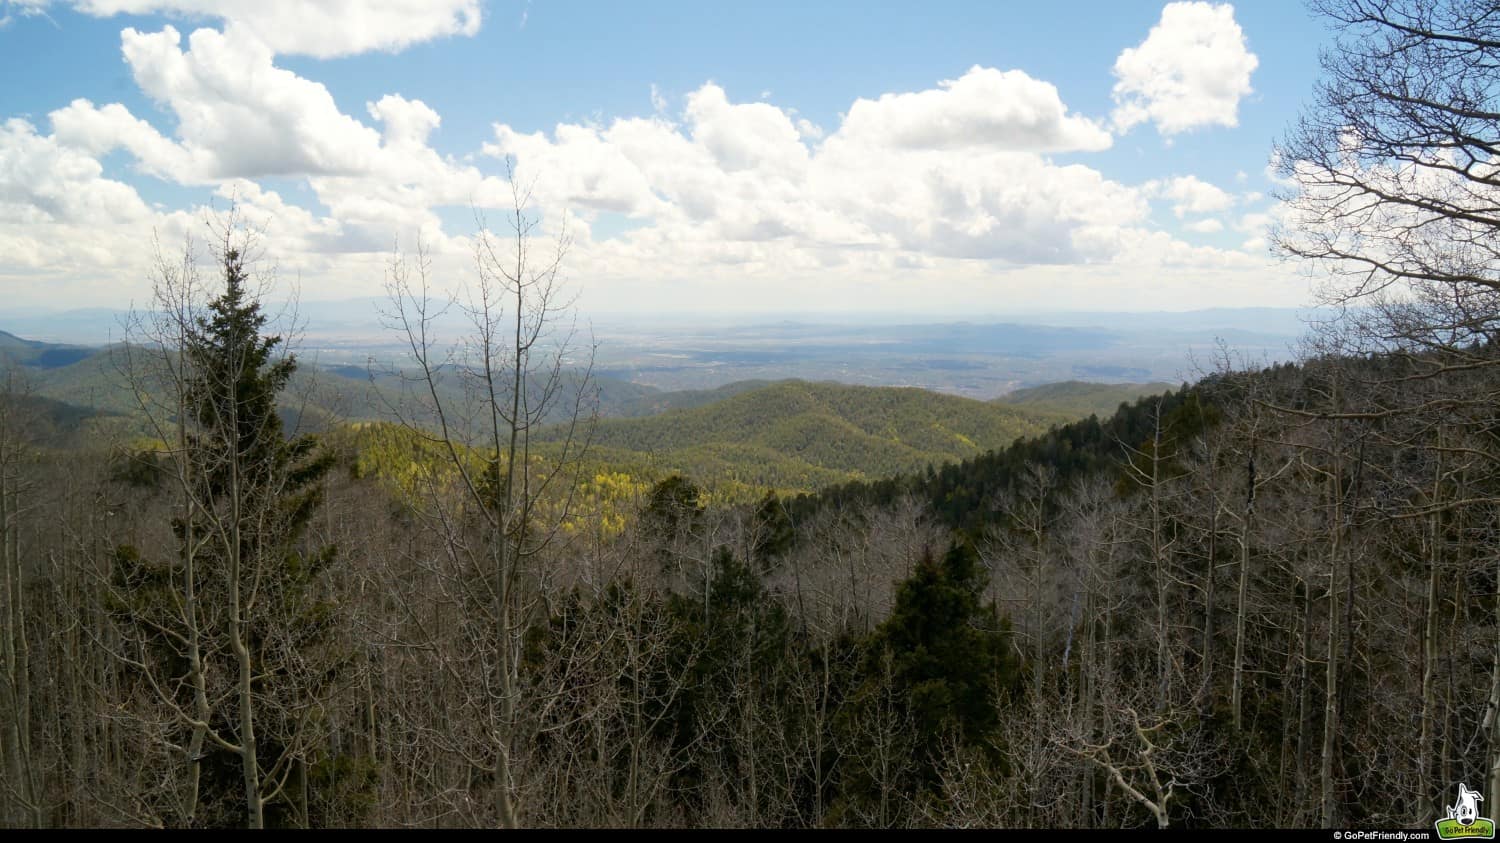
(318, 398)
(792, 435)
(1072, 400)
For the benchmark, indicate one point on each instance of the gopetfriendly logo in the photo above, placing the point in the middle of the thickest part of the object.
(1463, 821)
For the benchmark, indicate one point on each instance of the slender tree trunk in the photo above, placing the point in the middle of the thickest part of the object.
(1327, 786)
(1159, 563)
(505, 571)
(1210, 597)
(1211, 580)
(1237, 684)
(1089, 680)
(1328, 790)
(10, 708)
(1303, 755)
(238, 625)
(21, 786)
(254, 817)
(190, 613)
(1038, 678)
(1492, 711)
(1430, 641)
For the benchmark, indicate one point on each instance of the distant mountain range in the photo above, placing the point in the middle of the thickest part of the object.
(361, 319)
(975, 356)
(787, 435)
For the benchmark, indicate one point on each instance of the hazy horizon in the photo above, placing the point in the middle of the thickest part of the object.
(974, 355)
(85, 320)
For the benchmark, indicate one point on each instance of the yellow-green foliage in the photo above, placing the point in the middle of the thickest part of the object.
(605, 503)
(412, 464)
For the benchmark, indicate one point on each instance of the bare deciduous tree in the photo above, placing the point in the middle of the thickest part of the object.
(515, 373)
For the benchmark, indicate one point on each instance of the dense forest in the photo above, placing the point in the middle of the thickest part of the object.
(1212, 607)
(1267, 598)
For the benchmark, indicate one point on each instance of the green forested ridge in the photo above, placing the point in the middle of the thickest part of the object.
(39, 354)
(800, 435)
(789, 436)
(1070, 400)
(651, 401)
(968, 494)
(96, 377)
(870, 443)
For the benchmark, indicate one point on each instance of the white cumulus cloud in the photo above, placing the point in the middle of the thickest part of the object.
(42, 180)
(323, 29)
(983, 108)
(239, 114)
(733, 176)
(240, 117)
(731, 197)
(1191, 195)
(1191, 71)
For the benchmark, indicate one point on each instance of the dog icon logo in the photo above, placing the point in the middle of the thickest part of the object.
(1463, 821)
(1466, 809)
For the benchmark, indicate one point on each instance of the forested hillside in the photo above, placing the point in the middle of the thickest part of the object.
(327, 396)
(796, 435)
(966, 495)
(1071, 400)
(743, 438)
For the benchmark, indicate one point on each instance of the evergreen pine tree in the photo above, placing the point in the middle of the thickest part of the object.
(943, 657)
(245, 597)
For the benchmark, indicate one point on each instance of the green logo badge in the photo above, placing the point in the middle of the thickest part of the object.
(1463, 821)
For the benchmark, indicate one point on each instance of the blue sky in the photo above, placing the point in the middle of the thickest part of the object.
(944, 156)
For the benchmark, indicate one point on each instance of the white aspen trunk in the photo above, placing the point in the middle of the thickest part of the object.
(1159, 567)
(10, 735)
(1492, 711)
(190, 615)
(238, 623)
(17, 679)
(1237, 688)
(1329, 796)
(1429, 641)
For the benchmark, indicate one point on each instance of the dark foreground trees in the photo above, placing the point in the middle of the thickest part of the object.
(937, 674)
(855, 677)
(229, 640)
(20, 801)
(1394, 189)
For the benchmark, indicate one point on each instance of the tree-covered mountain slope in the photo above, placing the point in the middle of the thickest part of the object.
(317, 398)
(801, 435)
(1072, 400)
(964, 494)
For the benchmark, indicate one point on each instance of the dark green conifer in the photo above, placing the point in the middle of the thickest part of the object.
(943, 657)
(255, 489)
